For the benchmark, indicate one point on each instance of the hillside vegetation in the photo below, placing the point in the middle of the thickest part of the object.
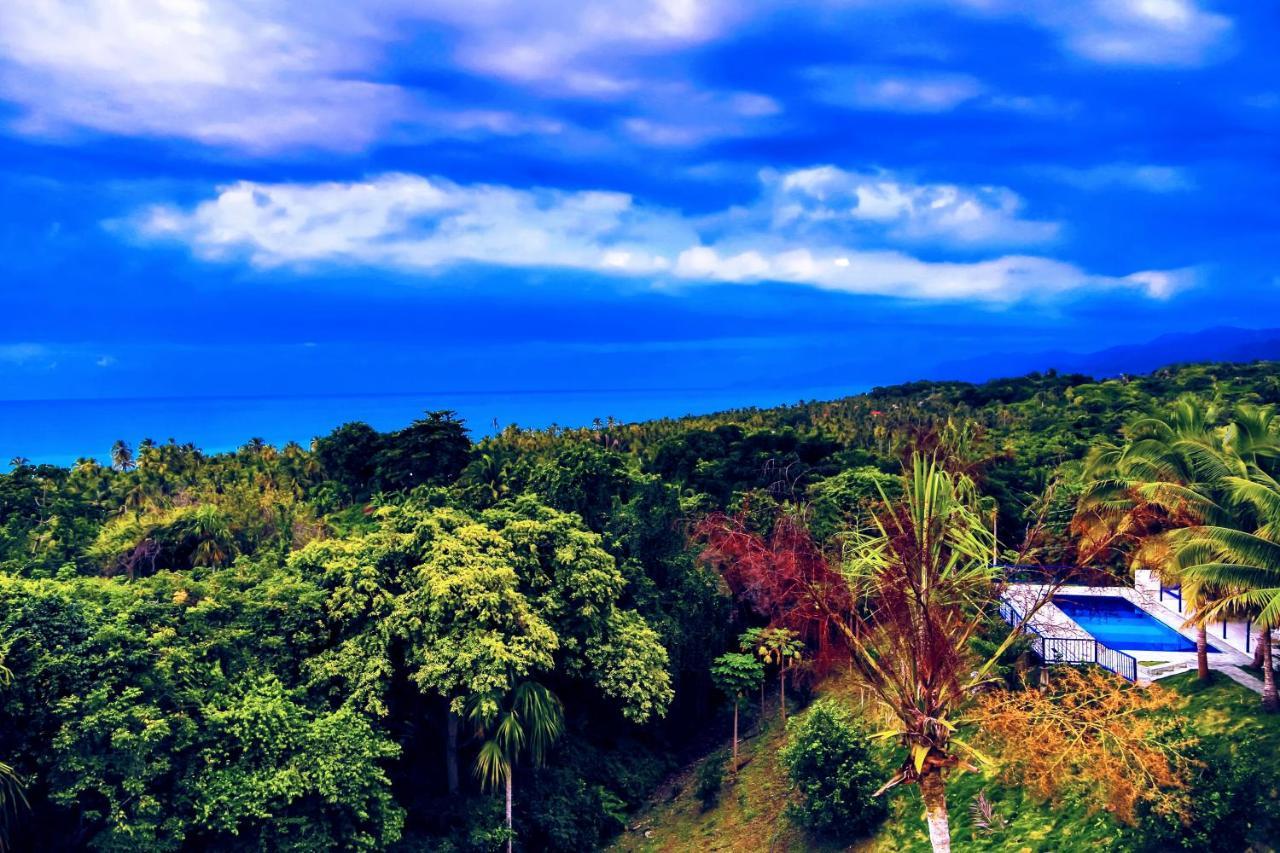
(387, 640)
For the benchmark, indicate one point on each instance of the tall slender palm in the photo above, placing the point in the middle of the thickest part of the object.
(11, 796)
(1161, 479)
(780, 647)
(924, 579)
(527, 720)
(1253, 438)
(121, 456)
(1242, 560)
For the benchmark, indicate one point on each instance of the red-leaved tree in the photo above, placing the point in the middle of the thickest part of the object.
(784, 577)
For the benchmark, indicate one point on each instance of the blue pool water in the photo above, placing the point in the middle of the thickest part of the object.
(1119, 624)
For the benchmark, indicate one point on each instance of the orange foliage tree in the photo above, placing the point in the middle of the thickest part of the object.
(1089, 731)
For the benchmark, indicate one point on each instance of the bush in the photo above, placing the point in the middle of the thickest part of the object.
(709, 779)
(1231, 806)
(833, 773)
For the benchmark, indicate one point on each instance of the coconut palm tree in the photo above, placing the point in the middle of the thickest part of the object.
(529, 720)
(1243, 561)
(11, 796)
(1253, 438)
(122, 456)
(1161, 479)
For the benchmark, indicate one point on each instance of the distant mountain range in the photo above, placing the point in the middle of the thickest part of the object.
(1223, 343)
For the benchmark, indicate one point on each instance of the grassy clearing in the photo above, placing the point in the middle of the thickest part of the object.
(750, 814)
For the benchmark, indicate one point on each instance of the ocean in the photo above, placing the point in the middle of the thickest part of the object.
(61, 431)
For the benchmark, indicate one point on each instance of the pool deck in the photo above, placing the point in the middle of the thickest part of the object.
(1152, 665)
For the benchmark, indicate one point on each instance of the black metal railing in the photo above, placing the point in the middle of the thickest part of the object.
(1077, 651)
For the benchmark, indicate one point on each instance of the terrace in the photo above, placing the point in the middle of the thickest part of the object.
(1137, 632)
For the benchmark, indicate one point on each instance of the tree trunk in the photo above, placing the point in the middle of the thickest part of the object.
(451, 749)
(735, 734)
(1270, 701)
(935, 812)
(1202, 652)
(782, 693)
(1263, 637)
(510, 837)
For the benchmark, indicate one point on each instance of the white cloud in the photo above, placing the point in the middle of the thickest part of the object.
(677, 115)
(217, 72)
(421, 223)
(415, 223)
(575, 48)
(1148, 177)
(1146, 32)
(22, 353)
(827, 197)
(270, 75)
(1123, 32)
(894, 89)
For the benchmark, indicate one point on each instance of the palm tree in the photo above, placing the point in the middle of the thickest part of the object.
(121, 455)
(735, 674)
(780, 647)
(1159, 480)
(11, 795)
(1244, 563)
(528, 719)
(924, 577)
(1253, 438)
(213, 541)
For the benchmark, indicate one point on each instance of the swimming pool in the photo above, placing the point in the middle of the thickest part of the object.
(1118, 623)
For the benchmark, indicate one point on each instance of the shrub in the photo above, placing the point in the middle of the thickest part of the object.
(709, 779)
(833, 773)
(1230, 806)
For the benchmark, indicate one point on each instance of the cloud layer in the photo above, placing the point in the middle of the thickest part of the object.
(270, 76)
(822, 227)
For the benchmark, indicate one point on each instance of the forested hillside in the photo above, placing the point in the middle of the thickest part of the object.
(378, 641)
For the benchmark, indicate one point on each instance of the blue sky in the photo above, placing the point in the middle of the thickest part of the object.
(201, 198)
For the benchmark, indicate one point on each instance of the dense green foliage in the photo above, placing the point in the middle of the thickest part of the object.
(277, 648)
(831, 765)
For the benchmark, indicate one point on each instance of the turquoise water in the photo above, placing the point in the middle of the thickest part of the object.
(61, 431)
(1117, 623)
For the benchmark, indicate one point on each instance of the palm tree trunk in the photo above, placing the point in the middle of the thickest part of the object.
(782, 693)
(1263, 637)
(451, 749)
(735, 734)
(1202, 652)
(935, 812)
(510, 837)
(1270, 701)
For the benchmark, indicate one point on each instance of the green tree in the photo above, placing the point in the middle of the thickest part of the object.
(528, 720)
(833, 773)
(735, 673)
(274, 771)
(431, 451)
(348, 456)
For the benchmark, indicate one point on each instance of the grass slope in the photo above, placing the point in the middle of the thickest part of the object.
(750, 815)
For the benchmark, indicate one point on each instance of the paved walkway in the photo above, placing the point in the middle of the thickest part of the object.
(1239, 676)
